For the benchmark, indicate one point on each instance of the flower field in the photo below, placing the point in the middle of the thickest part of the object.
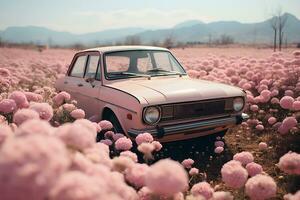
(48, 149)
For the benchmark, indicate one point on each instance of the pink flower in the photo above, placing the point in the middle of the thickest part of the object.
(290, 163)
(296, 105)
(35, 127)
(296, 196)
(187, 163)
(61, 98)
(30, 96)
(105, 125)
(117, 136)
(254, 168)
(272, 120)
(260, 187)
(219, 144)
(144, 137)
(204, 189)
(69, 107)
(130, 155)
(221, 195)
(23, 115)
(108, 134)
(166, 177)
(76, 135)
(259, 127)
(286, 102)
(262, 146)
(254, 108)
(193, 171)
(123, 144)
(33, 168)
(108, 142)
(233, 174)
(7, 106)
(78, 114)
(146, 148)
(219, 150)
(157, 145)
(244, 157)
(44, 109)
(19, 98)
(136, 174)
(5, 131)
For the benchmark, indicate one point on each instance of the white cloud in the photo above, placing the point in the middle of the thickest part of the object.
(139, 18)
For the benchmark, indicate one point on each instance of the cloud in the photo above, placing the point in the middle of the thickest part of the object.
(141, 18)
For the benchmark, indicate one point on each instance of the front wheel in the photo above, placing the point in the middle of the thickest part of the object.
(115, 122)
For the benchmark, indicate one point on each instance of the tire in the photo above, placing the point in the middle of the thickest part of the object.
(115, 122)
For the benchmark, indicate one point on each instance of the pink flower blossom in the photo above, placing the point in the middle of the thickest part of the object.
(146, 148)
(254, 168)
(144, 137)
(260, 187)
(296, 196)
(78, 114)
(272, 120)
(61, 98)
(35, 127)
(108, 142)
(130, 155)
(290, 163)
(7, 106)
(262, 146)
(244, 157)
(254, 108)
(123, 144)
(219, 150)
(69, 107)
(23, 115)
(259, 127)
(193, 171)
(76, 135)
(187, 163)
(33, 168)
(233, 174)
(19, 98)
(30, 96)
(286, 102)
(296, 105)
(166, 177)
(117, 136)
(136, 174)
(157, 145)
(5, 131)
(105, 125)
(204, 189)
(221, 195)
(219, 144)
(44, 109)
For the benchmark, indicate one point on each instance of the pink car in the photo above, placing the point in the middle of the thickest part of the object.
(145, 89)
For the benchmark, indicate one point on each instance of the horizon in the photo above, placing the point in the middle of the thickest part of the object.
(95, 16)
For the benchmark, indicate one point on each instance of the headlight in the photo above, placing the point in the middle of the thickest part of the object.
(238, 104)
(151, 115)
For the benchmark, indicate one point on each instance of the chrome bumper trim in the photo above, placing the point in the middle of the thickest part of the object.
(194, 126)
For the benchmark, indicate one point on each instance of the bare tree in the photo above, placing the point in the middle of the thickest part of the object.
(282, 19)
(132, 40)
(274, 22)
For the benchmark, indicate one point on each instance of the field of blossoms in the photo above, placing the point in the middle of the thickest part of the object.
(48, 150)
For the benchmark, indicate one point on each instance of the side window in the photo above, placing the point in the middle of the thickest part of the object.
(91, 69)
(78, 67)
(162, 60)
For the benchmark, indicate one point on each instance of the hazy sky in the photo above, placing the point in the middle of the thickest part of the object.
(80, 16)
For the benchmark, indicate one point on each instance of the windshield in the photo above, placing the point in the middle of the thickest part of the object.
(137, 63)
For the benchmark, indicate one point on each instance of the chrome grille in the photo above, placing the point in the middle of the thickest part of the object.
(197, 109)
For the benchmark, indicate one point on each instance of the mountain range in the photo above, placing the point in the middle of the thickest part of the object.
(188, 31)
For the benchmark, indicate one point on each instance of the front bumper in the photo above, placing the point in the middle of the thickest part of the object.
(200, 126)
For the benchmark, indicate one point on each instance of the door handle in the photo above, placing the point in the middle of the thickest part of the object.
(79, 84)
(66, 82)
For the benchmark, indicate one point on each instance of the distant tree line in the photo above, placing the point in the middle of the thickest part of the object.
(278, 23)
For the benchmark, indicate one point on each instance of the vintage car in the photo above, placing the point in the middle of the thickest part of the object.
(145, 89)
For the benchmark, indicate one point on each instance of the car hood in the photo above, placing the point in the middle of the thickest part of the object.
(160, 90)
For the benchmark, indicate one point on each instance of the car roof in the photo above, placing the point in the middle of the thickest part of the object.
(124, 48)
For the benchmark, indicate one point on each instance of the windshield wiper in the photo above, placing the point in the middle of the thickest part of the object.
(131, 74)
(166, 72)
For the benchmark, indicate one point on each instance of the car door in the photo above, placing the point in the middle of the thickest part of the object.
(73, 80)
(90, 85)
